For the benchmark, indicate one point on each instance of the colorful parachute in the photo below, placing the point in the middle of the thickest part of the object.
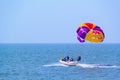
(90, 32)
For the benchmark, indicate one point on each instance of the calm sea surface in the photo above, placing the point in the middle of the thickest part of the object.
(41, 62)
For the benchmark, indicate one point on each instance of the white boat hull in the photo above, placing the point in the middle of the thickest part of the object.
(69, 63)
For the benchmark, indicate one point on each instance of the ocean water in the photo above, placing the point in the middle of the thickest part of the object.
(41, 62)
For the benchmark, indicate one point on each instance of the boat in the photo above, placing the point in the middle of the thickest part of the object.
(69, 63)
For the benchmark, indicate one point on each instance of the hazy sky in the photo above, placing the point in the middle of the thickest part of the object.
(56, 21)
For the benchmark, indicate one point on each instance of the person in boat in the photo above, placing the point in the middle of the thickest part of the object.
(71, 59)
(65, 58)
(79, 58)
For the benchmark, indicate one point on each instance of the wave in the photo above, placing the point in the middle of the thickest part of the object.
(82, 65)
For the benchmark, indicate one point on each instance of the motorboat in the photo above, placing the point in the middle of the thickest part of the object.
(69, 63)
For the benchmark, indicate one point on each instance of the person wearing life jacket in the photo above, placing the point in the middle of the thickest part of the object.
(65, 58)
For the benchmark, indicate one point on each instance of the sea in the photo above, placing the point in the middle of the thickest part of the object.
(41, 61)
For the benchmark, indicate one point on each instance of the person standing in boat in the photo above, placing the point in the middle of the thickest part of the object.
(79, 58)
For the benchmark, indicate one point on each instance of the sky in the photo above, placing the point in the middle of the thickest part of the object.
(56, 21)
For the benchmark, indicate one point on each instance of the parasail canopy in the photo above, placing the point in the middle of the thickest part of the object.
(90, 32)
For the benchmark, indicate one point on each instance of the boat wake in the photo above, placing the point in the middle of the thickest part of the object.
(83, 65)
(97, 66)
(55, 64)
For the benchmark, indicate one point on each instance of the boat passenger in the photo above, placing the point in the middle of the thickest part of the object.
(79, 58)
(67, 58)
(64, 59)
(71, 59)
